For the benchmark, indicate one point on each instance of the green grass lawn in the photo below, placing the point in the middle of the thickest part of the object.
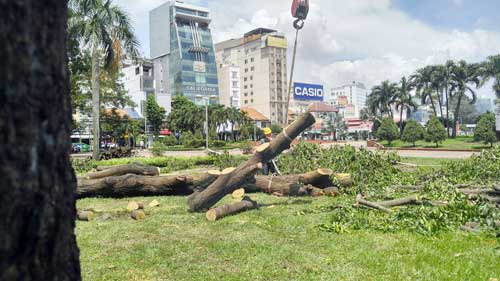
(428, 161)
(457, 143)
(272, 243)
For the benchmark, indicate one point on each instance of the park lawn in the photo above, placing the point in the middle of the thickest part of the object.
(428, 161)
(467, 143)
(273, 243)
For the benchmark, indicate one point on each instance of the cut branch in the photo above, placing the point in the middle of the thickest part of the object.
(225, 184)
(231, 209)
(363, 202)
(124, 170)
(411, 200)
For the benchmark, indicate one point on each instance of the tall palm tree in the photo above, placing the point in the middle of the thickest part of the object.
(462, 76)
(422, 81)
(403, 101)
(106, 29)
(491, 70)
(438, 84)
(380, 99)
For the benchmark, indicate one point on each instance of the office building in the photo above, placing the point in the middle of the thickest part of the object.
(229, 85)
(138, 80)
(351, 99)
(182, 53)
(261, 56)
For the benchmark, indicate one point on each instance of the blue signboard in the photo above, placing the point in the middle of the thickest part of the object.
(312, 92)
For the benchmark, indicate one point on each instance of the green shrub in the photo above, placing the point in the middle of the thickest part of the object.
(388, 130)
(170, 141)
(158, 148)
(436, 132)
(192, 141)
(217, 143)
(246, 147)
(82, 166)
(413, 132)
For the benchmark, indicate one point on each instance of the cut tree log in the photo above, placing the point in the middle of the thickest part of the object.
(491, 192)
(344, 179)
(116, 171)
(85, 215)
(231, 209)
(238, 193)
(225, 184)
(132, 206)
(134, 185)
(282, 186)
(363, 202)
(138, 215)
(154, 203)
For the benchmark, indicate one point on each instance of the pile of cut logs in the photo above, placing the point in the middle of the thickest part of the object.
(206, 190)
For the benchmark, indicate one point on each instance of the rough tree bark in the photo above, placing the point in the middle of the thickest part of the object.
(230, 209)
(124, 170)
(225, 184)
(135, 185)
(37, 240)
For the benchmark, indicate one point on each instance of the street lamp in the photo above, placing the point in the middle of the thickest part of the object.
(206, 100)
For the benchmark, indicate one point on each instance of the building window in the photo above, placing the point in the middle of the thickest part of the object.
(246, 87)
(235, 84)
(251, 77)
(246, 101)
(245, 79)
(251, 93)
(235, 74)
(252, 68)
(251, 100)
(251, 85)
(137, 71)
(246, 94)
(246, 61)
(246, 70)
(251, 59)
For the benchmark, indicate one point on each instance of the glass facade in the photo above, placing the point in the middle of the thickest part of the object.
(193, 70)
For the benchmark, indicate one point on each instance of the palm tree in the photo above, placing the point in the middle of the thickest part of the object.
(491, 70)
(403, 100)
(438, 84)
(379, 101)
(105, 29)
(422, 82)
(462, 76)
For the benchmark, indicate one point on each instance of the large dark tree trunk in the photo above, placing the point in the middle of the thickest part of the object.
(37, 204)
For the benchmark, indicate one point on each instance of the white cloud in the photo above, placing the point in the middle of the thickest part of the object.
(365, 40)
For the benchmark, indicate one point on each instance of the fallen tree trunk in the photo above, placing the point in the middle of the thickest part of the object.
(124, 170)
(491, 192)
(363, 202)
(225, 184)
(134, 185)
(282, 186)
(231, 209)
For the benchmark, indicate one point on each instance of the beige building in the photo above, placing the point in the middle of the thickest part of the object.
(261, 57)
(229, 85)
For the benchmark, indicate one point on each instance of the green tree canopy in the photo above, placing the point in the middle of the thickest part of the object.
(155, 115)
(485, 129)
(436, 132)
(388, 130)
(413, 132)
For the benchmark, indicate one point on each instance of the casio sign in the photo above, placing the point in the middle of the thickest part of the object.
(303, 91)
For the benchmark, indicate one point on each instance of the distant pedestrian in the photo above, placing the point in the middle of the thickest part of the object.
(141, 143)
(177, 137)
(267, 166)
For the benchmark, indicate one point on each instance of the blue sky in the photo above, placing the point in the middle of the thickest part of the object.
(457, 14)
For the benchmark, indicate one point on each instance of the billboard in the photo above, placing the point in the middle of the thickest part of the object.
(308, 92)
(343, 101)
(277, 42)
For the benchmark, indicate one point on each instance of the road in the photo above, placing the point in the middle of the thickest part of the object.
(402, 153)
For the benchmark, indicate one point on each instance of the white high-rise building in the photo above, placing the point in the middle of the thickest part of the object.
(261, 57)
(138, 80)
(351, 98)
(229, 85)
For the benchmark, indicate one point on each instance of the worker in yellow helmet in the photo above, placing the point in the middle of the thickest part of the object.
(267, 166)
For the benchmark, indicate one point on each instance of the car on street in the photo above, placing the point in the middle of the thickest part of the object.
(80, 148)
